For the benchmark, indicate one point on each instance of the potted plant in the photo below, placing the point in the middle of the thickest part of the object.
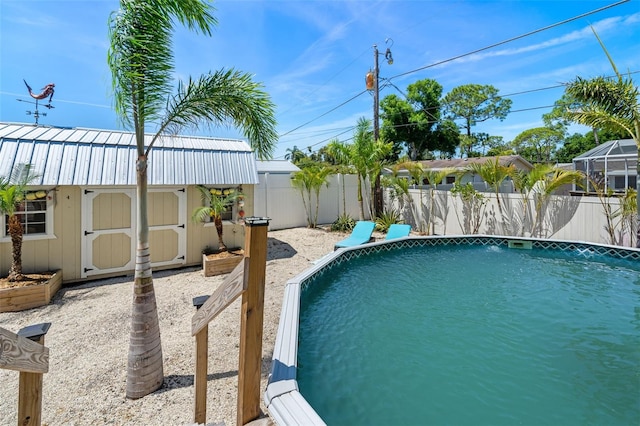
(215, 203)
(30, 290)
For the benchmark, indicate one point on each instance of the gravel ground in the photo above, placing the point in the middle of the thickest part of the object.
(89, 340)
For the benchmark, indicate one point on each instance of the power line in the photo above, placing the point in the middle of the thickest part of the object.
(471, 53)
(512, 39)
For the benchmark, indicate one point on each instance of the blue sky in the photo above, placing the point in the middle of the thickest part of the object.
(312, 56)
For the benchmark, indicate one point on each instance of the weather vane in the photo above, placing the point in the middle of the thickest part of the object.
(47, 91)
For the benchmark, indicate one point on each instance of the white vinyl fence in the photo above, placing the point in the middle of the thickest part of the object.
(275, 198)
(564, 217)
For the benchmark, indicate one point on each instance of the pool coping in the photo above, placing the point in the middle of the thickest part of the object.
(282, 396)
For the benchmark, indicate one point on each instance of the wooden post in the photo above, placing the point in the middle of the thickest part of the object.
(251, 321)
(202, 368)
(30, 384)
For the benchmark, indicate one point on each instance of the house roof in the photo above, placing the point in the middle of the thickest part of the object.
(460, 163)
(77, 156)
(277, 166)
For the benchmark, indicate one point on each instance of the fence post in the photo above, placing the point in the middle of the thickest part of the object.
(251, 321)
(202, 367)
(30, 384)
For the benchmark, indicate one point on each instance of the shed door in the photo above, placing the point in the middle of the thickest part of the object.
(109, 229)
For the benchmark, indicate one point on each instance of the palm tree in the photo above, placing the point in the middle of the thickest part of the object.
(340, 153)
(12, 194)
(610, 104)
(141, 60)
(310, 180)
(215, 203)
(434, 177)
(493, 173)
(366, 156)
(540, 183)
(294, 154)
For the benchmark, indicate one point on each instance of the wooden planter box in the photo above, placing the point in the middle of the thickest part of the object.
(216, 266)
(21, 298)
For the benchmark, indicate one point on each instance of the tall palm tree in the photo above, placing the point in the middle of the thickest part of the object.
(610, 104)
(366, 156)
(12, 194)
(141, 60)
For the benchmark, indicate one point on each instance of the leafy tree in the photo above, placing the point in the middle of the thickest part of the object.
(609, 104)
(12, 194)
(141, 60)
(474, 103)
(537, 145)
(215, 203)
(415, 123)
(310, 180)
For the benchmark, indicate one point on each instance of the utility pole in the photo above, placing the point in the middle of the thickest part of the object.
(374, 84)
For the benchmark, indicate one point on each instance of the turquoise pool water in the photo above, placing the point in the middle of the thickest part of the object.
(473, 335)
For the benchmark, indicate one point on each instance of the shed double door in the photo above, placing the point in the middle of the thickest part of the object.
(109, 229)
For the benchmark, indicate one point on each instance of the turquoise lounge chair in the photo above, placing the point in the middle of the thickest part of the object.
(361, 234)
(398, 230)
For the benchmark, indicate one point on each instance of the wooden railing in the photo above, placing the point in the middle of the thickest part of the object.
(248, 280)
(25, 352)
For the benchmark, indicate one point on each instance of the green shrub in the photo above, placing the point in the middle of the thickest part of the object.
(386, 219)
(344, 223)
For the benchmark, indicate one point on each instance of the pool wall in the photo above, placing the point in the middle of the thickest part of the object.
(282, 397)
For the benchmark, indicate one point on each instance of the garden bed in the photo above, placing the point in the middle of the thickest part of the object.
(36, 290)
(222, 262)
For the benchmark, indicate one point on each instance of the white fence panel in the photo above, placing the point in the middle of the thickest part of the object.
(274, 197)
(564, 217)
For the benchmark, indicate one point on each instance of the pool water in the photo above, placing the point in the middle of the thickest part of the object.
(473, 335)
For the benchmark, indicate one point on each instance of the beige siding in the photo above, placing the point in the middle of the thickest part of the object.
(61, 251)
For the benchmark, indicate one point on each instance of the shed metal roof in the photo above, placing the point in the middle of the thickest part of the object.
(63, 156)
(277, 166)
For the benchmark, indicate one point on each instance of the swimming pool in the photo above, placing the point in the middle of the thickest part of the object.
(478, 338)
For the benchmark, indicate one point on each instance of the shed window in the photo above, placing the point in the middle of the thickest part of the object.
(450, 180)
(35, 214)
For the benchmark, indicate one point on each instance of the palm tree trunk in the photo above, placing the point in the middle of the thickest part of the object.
(15, 231)
(360, 199)
(144, 371)
(219, 229)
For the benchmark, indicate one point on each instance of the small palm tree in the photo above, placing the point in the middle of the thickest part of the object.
(493, 173)
(434, 177)
(215, 203)
(12, 194)
(310, 180)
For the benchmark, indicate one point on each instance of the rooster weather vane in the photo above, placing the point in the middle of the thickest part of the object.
(47, 91)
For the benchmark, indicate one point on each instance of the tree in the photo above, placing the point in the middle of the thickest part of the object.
(141, 60)
(539, 184)
(493, 173)
(609, 104)
(339, 154)
(538, 145)
(416, 122)
(366, 156)
(310, 180)
(295, 155)
(12, 194)
(474, 103)
(215, 203)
